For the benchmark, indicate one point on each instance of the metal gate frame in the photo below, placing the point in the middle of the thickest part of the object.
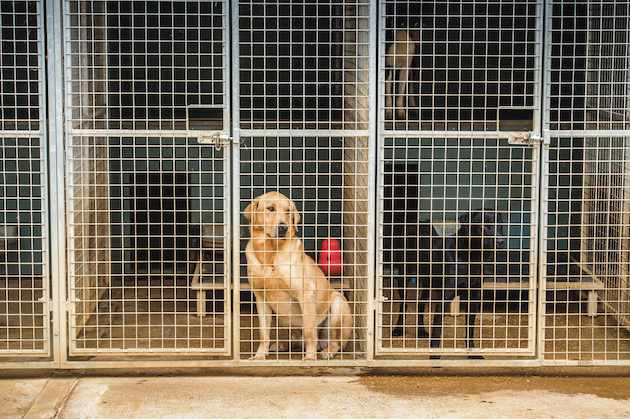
(212, 137)
(58, 298)
(595, 122)
(367, 132)
(393, 133)
(44, 357)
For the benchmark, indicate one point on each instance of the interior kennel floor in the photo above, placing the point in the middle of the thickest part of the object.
(21, 314)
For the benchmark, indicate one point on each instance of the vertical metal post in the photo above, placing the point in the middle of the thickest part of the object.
(373, 192)
(543, 182)
(55, 136)
(234, 185)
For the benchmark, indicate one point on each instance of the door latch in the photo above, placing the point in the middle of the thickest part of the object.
(217, 138)
(524, 138)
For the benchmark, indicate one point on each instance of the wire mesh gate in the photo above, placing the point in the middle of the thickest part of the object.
(388, 155)
(458, 178)
(147, 216)
(24, 275)
(306, 132)
(586, 228)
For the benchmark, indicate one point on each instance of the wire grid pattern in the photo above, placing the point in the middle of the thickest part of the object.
(587, 251)
(24, 319)
(24, 281)
(21, 76)
(147, 230)
(303, 64)
(326, 178)
(146, 65)
(589, 56)
(427, 189)
(143, 209)
(460, 65)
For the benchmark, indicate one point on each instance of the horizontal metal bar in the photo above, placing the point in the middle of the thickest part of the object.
(119, 364)
(20, 133)
(195, 133)
(262, 365)
(587, 133)
(187, 352)
(447, 134)
(133, 133)
(459, 352)
(303, 133)
(375, 363)
(584, 363)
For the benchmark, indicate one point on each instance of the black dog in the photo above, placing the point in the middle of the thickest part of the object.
(450, 266)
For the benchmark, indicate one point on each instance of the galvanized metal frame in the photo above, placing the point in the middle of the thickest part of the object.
(400, 129)
(594, 127)
(243, 135)
(92, 128)
(28, 137)
(58, 303)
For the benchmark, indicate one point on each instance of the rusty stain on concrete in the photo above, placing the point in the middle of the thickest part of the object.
(617, 388)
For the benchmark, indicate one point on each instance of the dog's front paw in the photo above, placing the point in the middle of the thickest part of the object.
(327, 354)
(259, 356)
(310, 356)
(398, 331)
(279, 347)
(422, 334)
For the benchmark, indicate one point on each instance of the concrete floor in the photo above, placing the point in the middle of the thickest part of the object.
(317, 393)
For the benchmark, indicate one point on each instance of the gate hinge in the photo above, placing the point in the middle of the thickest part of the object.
(524, 138)
(219, 139)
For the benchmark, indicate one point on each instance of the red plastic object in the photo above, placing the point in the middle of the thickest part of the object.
(330, 258)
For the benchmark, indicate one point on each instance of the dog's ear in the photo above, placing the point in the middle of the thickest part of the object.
(250, 210)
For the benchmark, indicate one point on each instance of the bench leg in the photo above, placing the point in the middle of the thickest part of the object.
(592, 304)
(455, 306)
(201, 303)
(201, 294)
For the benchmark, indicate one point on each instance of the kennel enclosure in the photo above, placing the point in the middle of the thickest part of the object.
(135, 134)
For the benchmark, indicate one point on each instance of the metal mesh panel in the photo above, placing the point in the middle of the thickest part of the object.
(587, 223)
(430, 230)
(147, 64)
(147, 223)
(298, 64)
(144, 210)
(304, 109)
(21, 75)
(326, 178)
(24, 280)
(459, 65)
(587, 253)
(589, 72)
(456, 77)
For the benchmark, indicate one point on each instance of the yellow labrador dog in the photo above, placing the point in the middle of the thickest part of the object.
(287, 282)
